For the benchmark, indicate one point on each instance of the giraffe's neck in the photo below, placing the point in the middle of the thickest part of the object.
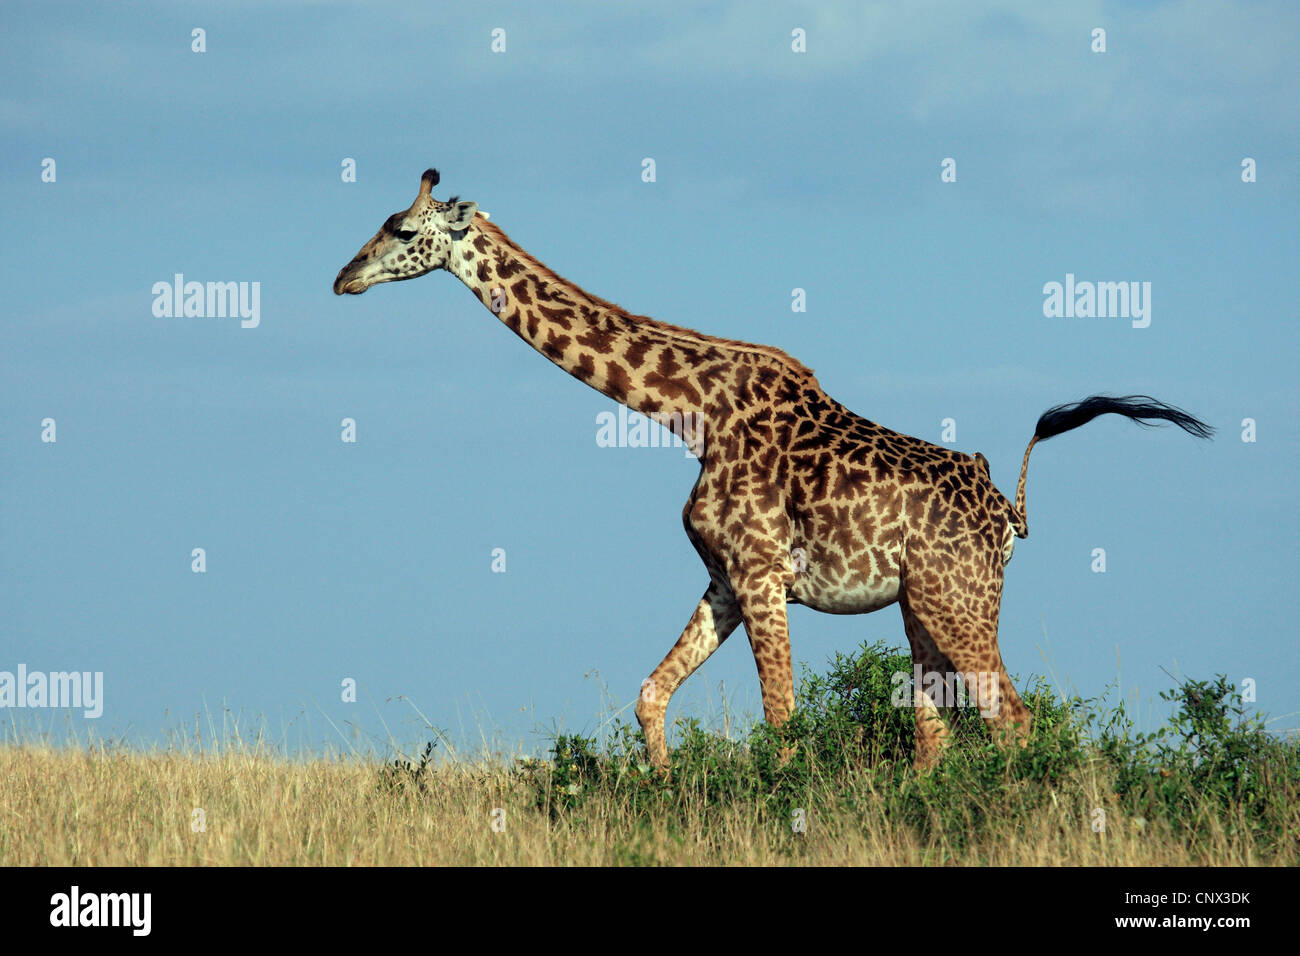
(661, 370)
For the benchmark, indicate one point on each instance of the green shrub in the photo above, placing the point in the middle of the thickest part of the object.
(848, 747)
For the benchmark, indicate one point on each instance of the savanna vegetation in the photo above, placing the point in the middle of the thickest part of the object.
(835, 786)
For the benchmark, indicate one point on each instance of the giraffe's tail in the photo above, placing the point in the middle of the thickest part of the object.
(1142, 409)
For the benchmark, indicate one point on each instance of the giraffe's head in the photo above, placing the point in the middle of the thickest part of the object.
(409, 243)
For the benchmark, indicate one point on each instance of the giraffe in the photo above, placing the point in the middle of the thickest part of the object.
(798, 500)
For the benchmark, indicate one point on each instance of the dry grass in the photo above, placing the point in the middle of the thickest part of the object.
(1210, 787)
(100, 807)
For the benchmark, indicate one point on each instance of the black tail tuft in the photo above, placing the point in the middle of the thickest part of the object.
(1143, 409)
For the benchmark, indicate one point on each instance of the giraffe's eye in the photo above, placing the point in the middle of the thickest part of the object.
(406, 235)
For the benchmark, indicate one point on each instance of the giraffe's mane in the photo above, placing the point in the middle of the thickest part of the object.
(544, 274)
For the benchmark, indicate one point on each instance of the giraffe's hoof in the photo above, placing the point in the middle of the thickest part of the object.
(785, 755)
(926, 759)
(658, 762)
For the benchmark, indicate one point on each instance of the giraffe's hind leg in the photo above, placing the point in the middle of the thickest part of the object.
(712, 623)
(955, 599)
(933, 696)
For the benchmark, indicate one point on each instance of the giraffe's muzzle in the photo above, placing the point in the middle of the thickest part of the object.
(348, 283)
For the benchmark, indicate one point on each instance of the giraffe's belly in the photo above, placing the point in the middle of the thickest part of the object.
(868, 586)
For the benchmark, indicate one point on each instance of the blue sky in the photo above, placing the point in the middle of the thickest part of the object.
(775, 170)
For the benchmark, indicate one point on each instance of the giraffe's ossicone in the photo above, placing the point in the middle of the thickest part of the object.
(798, 500)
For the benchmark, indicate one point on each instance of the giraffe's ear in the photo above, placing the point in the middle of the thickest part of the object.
(459, 216)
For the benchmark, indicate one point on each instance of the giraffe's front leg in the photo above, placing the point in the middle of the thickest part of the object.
(712, 623)
(762, 601)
